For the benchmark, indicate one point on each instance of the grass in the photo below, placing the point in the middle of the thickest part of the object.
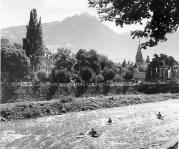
(24, 110)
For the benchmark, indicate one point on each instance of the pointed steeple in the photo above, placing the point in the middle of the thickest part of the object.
(148, 60)
(124, 63)
(139, 57)
(135, 66)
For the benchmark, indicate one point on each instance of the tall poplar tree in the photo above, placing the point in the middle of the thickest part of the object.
(33, 43)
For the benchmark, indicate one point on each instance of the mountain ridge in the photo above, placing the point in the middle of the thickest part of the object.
(86, 31)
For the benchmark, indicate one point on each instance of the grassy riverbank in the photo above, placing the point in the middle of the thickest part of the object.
(23, 110)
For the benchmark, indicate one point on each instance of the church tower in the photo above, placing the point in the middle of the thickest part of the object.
(139, 57)
(147, 60)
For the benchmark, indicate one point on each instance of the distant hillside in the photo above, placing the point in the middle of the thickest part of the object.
(86, 31)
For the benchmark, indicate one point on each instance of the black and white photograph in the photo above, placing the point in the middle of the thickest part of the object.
(89, 74)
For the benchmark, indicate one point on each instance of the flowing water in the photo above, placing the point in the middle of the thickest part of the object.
(133, 127)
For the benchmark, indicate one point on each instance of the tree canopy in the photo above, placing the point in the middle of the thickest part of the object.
(14, 64)
(158, 17)
(108, 75)
(63, 62)
(60, 76)
(63, 59)
(87, 59)
(42, 76)
(33, 43)
(156, 68)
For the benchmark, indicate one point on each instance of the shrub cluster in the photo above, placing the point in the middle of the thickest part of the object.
(23, 110)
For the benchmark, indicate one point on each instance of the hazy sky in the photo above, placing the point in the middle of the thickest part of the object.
(16, 12)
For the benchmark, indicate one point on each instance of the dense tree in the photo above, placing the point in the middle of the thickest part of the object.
(99, 78)
(105, 63)
(158, 65)
(60, 76)
(57, 76)
(76, 78)
(94, 67)
(87, 59)
(87, 67)
(86, 74)
(63, 59)
(14, 68)
(42, 76)
(62, 70)
(33, 43)
(108, 75)
(31, 76)
(14, 64)
(158, 17)
(94, 61)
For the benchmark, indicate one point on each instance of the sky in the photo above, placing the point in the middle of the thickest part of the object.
(16, 12)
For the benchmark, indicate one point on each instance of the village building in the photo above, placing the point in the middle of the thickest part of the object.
(138, 69)
(173, 73)
(47, 63)
(141, 65)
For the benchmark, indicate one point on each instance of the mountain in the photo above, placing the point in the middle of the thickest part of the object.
(86, 31)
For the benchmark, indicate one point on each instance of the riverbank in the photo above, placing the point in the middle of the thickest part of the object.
(24, 110)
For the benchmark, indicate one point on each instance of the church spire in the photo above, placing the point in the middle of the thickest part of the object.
(148, 59)
(139, 57)
(124, 63)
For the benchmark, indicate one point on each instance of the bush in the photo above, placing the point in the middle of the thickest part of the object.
(108, 75)
(159, 88)
(99, 78)
(42, 76)
(76, 78)
(35, 86)
(21, 110)
(51, 91)
(66, 99)
(86, 74)
(106, 89)
(60, 76)
(57, 76)
(27, 114)
(8, 92)
(80, 90)
(31, 76)
(6, 113)
(31, 113)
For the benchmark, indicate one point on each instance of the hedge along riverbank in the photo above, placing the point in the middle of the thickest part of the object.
(24, 110)
(39, 93)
